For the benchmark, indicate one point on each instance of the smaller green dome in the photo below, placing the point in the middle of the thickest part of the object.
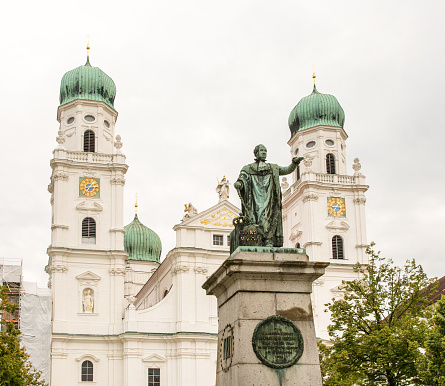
(141, 242)
(87, 82)
(315, 110)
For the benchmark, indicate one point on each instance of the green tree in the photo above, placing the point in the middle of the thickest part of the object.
(15, 367)
(432, 365)
(378, 326)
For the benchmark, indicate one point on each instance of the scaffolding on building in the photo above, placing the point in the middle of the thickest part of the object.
(11, 278)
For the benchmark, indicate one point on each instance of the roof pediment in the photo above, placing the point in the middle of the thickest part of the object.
(220, 215)
(88, 276)
(153, 358)
(338, 225)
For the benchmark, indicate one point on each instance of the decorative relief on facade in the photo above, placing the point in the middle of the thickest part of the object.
(117, 271)
(337, 225)
(51, 186)
(334, 193)
(58, 267)
(318, 282)
(202, 270)
(360, 201)
(89, 206)
(88, 279)
(107, 134)
(310, 197)
(60, 176)
(88, 300)
(118, 181)
(177, 269)
(89, 173)
(295, 233)
(308, 161)
(222, 218)
(70, 132)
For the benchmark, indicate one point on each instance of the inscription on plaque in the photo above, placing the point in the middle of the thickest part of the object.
(277, 342)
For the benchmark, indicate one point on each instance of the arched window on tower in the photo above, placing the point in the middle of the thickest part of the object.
(87, 371)
(89, 141)
(337, 248)
(330, 163)
(88, 231)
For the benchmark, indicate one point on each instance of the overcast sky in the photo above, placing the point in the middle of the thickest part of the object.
(200, 83)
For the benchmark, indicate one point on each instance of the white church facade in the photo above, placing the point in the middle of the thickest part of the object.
(120, 316)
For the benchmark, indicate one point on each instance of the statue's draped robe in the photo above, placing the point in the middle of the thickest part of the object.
(261, 199)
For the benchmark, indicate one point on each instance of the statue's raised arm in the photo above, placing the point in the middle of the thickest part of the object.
(258, 186)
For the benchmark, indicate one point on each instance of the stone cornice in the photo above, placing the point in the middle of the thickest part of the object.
(84, 102)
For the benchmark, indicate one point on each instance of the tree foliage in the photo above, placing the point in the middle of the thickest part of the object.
(15, 367)
(432, 365)
(378, 326)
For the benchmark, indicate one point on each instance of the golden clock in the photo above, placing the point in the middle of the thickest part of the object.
(89, 187)
(336, 207)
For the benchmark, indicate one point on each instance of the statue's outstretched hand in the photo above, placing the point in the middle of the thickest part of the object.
(238, 185)
(297, 160)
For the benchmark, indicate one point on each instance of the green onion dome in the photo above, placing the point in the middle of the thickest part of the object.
(87, 82)
(141, 242)
(315, 110)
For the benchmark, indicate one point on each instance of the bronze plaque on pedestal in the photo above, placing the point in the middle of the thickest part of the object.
(277, 342)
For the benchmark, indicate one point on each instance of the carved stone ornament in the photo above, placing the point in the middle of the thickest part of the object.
(337, 225)
(118, 143)
(177, 269)
(310, 197)
(318, 282)
(60, 138)
(107, 134)
(88, 278)
(70, 132)
(117, 271)
(202, 270)
(334, 193)
(118, 181)
(308, 160)
(190, 211)
(89, 206)
(360, 201)
(58, 267)
(284, 184)
(356, 166)
(62, 176)
(89, 173)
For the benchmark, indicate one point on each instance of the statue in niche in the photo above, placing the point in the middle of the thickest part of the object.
(258, 186)
(223, 189)
(88, 301)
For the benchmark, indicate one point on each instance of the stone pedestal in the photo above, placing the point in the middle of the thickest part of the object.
(252, 285)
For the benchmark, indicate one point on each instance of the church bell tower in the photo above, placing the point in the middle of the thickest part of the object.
(324, 209)
(86, 256)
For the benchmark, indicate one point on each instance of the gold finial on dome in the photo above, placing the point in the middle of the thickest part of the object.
(136, 204)
(313, 73)
(88, 45)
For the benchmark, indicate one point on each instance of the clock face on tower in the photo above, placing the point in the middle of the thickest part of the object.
(336, 207)
(89, 187)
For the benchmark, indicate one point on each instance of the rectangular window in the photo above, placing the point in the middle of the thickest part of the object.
(228, 240)
(227, 347)
(218, 240)
(154, 377)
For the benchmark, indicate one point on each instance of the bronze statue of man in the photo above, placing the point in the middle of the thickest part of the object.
(258, 186)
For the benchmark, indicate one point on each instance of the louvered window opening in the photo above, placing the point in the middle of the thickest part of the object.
(87, 371)
(337, 248)
(298, 172)
(330, 163)
(89, 141)
(88, 231)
